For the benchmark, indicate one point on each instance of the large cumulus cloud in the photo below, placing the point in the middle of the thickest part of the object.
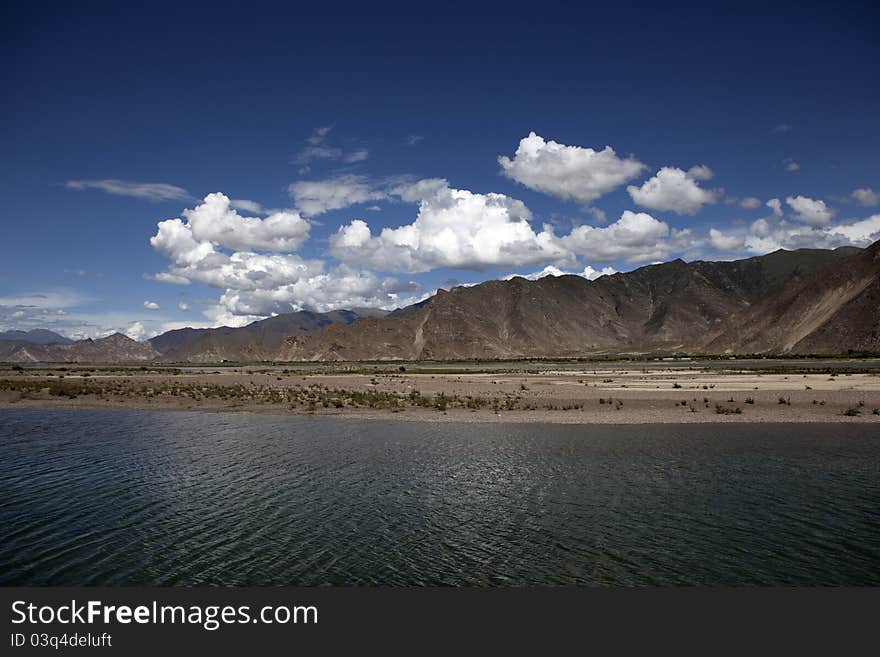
(771, 233)
(568, 172)
(457, 228)
(675, 190)
(454, 228)
(258, 284)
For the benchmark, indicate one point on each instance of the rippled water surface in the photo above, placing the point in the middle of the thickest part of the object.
(135, 497)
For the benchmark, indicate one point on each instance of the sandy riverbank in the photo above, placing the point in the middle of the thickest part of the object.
(589, 395)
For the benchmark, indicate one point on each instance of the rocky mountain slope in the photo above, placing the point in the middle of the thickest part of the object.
(671, 307)
(788, 302)
(259, 340)
(832, 311)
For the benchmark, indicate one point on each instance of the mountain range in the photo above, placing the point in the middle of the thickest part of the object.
(808, 301)
(116, 348)
(258, 341)
(35, 336)
(783, 302)
(261, 340)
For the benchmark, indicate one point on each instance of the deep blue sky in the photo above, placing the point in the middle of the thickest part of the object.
(222, 98)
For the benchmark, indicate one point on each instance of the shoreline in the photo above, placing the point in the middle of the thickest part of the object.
(463, 417)
(580, 396)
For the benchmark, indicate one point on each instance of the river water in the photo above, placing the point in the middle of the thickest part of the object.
(106, 497)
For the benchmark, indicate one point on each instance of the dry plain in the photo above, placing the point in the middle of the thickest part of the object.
(513, 392)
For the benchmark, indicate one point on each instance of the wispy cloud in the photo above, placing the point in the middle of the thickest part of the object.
(61, 310)
(246, 205)
(311, 153)
(151, 191)
(314, 197)
(319, 148)
(61, 298)
(356, 156)
(599, 215)
(319, 134)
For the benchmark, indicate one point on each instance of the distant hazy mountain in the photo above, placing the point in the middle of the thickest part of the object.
(673, 307)
(35, 336)
(261, 340)
(116, 348)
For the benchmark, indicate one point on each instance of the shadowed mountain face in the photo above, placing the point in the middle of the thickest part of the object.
(261, 340)
(835, 310)
(673, 307)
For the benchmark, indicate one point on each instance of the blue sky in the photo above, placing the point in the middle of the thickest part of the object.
(320, 131)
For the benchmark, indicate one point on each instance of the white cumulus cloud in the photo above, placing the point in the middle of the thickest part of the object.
(587, 272)
(454, 228)
(215, 221)
(765, 236)
(810, 211)
(135, 331)
(858, 233)
(724, 242)
(260, 284)
(772, 233)
(866, 196)
(700, 172)
(339, 287)
(151, 305)
(568, 172)
(635, 237)
(675, 190)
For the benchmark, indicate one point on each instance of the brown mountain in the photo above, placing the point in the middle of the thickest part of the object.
(671, 307)
(801, 302)
(116, 348)
(832, 311)
(260, 340)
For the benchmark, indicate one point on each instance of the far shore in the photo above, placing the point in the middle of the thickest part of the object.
(601, 394)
